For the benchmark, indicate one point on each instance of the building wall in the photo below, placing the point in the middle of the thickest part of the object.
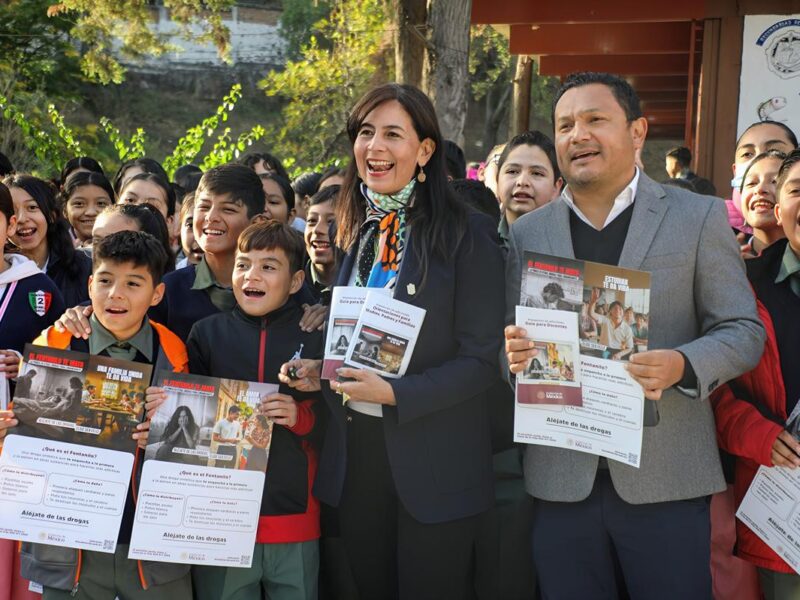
(255, 40)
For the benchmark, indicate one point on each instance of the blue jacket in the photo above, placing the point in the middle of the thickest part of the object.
(438, 436)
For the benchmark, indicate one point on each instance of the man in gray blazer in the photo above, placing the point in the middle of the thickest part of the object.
(591, 513)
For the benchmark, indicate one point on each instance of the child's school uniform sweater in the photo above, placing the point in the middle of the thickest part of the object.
(29, 302)
(235, 345)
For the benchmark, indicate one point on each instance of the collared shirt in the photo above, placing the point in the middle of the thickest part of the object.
(221, 296)
(102, 339)
(790, 268)
(621, 202)
(323, 290)
(617, 338)
(503, 231)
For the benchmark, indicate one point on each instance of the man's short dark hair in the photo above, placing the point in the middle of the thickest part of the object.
(532, 138)
(137, 247)
(233, 408)
(454, 160)
(326, 194)
(787, 130)
(478, 196)
(271, 235)
(240, 182)
(273, 163)
(615, 303)
(6, 168)
(682, 155)
(623, 91)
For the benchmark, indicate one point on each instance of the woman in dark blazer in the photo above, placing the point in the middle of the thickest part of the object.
(408, 461)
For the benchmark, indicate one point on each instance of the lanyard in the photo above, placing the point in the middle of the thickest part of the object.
(6, 301)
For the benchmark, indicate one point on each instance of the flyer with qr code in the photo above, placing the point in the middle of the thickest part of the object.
(65, 469)
(204, 471)
(584, 320)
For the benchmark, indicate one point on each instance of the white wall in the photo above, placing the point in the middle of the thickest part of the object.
(254, 40)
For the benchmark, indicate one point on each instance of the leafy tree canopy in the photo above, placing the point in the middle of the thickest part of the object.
(124, 26)
(321, 86)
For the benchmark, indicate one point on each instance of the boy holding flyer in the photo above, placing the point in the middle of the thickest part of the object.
(260, 335)
(125, 283)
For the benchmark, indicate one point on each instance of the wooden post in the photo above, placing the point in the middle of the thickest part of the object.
(521, 99)
(718, 102)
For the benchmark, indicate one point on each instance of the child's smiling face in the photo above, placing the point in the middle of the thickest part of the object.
(263, 280)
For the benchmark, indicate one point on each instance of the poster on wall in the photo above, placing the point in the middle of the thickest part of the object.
(769, 88)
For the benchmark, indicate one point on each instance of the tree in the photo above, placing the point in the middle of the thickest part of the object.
(123, 26)
(490, 73)
(299, 21)
(36, 51)
(445, 72)
(321, 86)
(410, 23)
(38, 65)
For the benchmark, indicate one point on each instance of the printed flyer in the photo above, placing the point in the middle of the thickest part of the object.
(65, 469)
(385, 335)
(771, 509)
(611, 305)
(204, 471)
(346, 305)
(552, 376)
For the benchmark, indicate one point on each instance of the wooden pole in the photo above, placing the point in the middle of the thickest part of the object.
(521, 100)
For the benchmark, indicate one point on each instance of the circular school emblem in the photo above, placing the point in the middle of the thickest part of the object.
(783, 54)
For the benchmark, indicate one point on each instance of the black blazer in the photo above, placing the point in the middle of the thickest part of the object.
(438, 435)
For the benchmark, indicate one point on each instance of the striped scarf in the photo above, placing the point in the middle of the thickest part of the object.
(383, 237)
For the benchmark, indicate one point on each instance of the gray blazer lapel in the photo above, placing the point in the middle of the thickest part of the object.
(558, 233)
(649, 209)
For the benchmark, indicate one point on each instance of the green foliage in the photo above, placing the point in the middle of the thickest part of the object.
(67, 136)
(324, 83)
(52, 142)
(225, 150)
(36, 49)
(490, 62)
(124, 25)
(300, 20)
(190, 145)
(130, 150)
(39, 141)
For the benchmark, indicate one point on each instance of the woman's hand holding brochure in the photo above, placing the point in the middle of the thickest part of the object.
(519, 349)
(365, 387)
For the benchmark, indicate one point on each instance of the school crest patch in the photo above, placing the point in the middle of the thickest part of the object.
(40, 301)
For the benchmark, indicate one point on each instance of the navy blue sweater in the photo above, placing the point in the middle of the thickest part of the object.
(74, 282)
(21, 324)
